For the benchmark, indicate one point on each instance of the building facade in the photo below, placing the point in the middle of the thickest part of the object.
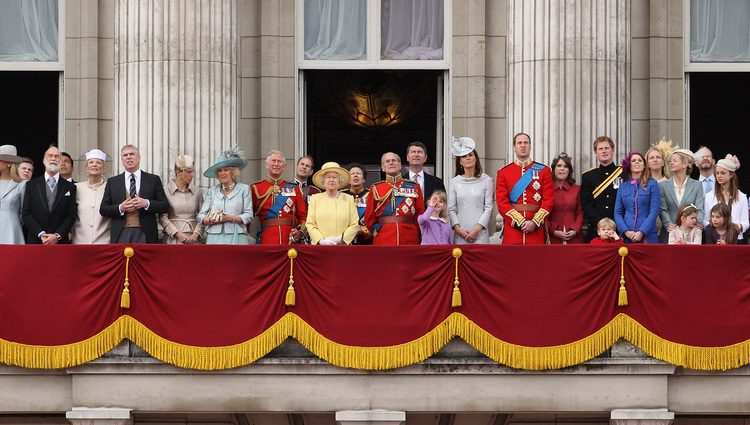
(200, 76)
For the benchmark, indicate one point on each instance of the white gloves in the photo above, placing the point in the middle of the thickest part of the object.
(331, 240)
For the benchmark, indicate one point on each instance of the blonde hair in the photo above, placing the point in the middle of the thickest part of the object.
(606, 222)
(14, 175)
(443, 197)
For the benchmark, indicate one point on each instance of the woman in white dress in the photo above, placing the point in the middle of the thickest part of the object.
(471, 196)
(91, 227)
(12, 189)
(727, 191)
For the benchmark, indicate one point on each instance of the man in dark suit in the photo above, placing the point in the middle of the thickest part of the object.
(416, 155)
(599, 186)
(133, 200)
(49, 204)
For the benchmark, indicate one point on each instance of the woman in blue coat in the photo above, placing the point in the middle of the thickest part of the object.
(637, 203)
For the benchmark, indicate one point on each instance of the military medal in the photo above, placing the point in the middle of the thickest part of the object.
(536, 185)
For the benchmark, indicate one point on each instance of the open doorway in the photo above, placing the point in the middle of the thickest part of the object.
(719, 112)
(30, 112)
(356, 116)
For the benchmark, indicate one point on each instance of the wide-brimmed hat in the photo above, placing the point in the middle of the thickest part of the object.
(8, 153)
(230, 158)
(463, 146)
(329, 167)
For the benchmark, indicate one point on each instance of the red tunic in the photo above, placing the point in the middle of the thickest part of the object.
(265, 194)
(534, 204)
(398, 200)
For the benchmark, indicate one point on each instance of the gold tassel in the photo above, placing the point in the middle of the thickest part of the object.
(291, 297)
(125, 297)
(456, 298)
(622, 295)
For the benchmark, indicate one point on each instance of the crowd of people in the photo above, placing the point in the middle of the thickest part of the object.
(647, 198)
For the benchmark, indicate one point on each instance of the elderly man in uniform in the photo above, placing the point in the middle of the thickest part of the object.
(599, 186)
(279, 205)
(393, 206)
(524, 195)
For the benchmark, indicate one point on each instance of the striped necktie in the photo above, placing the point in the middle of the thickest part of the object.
(132, 186)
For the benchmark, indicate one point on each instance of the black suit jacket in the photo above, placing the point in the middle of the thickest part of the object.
(431, 184)
(114, 195)
(604, 205)
(38, 217)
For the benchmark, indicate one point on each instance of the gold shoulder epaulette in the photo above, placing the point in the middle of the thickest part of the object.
(593, 168)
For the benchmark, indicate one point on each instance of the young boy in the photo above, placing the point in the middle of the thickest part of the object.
(607, 231)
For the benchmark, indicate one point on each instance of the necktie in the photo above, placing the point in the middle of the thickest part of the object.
(51, 183)
(132, 185)
(707, 185)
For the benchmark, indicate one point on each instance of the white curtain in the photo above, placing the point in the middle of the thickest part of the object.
(335, 29)
(720, 30)
(412, 29)
(28, 30)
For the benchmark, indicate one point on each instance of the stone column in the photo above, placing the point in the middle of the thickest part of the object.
(569, 75)
(370, 417)
(641, 417)
(101, 416)
(175, 80)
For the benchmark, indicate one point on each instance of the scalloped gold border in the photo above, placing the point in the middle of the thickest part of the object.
(375, 358)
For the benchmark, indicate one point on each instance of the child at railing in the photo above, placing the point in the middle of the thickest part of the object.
(721, 231)
(434, 221)
(607, 231)
(687, 231)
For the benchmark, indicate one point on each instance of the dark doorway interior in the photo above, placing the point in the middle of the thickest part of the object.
(720, 117)
(29, 111)
(356, 116)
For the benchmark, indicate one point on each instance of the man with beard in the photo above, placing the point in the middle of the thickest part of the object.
(706, 163)
(49, 204)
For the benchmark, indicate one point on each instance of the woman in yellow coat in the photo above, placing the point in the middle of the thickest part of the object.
(332, 217)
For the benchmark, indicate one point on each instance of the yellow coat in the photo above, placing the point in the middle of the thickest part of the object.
(328, 217)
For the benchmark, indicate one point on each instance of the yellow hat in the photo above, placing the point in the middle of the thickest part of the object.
(330, 167)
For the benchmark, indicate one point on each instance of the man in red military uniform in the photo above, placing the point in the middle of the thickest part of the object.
(393, 206)
(279, 205)
(524, 195)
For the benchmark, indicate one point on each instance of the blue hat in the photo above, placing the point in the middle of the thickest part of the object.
(230, 158)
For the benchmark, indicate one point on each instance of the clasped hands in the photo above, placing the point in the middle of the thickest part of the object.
(331, 240)
(133, 204)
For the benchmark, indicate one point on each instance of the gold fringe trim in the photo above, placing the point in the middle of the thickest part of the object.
(62, 356)
(689, 356)
(376, 358)
(371, 358)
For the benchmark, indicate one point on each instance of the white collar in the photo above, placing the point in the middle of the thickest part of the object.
(438, 218)
(137, 174)
(56, 177)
